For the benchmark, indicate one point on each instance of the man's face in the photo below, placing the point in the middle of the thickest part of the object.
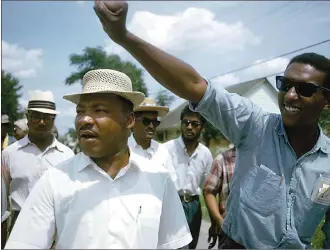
(145, 125)
(18, 133)
(101, 124)
(296, 109)
(191, 127)
(40, 124)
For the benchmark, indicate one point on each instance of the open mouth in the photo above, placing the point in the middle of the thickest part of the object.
(87, 135)
(291, 109)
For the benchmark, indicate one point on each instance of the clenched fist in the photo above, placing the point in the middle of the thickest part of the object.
(112, 15)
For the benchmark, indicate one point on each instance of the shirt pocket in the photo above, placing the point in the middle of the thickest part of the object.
(263, 191)
(314, 208)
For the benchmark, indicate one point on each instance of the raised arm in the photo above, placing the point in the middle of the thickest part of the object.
(172, 73)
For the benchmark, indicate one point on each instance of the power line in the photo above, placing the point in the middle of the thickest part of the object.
(273, 58)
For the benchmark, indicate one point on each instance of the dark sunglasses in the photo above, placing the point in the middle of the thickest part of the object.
(146, 121)
(304, 89)
(36, 118)
(194, 124)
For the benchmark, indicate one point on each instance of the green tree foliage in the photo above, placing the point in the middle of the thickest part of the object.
(164, 98)
(10, 89)
(211, 132)
(97, 58)
(325, 121)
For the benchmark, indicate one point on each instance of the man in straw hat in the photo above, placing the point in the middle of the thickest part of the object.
(27, 159)
(105, 196)
(141, 141)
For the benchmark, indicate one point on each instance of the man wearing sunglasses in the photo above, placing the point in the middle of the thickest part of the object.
(141, 140)
(26, 160)
(280, 187)
(192, 162)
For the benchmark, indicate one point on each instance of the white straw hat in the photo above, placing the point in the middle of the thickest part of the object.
(42, 102)
(107, 81)
(22, 124)
(149, 104)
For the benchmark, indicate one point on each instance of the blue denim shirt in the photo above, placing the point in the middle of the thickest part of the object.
(271, 200)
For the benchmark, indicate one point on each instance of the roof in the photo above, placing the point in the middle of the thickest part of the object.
(259, 90)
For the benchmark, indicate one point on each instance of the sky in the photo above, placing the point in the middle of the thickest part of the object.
(213, 36)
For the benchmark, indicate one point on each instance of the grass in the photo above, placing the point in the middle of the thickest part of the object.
(316, 241)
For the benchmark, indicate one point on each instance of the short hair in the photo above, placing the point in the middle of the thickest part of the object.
(187, 111)
(127, 106)
(319, 62)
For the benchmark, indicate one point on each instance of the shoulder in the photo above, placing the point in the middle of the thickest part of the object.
(205, 150)
(146, 165)
(65, 149)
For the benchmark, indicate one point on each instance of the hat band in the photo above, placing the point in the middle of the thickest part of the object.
(41, 104)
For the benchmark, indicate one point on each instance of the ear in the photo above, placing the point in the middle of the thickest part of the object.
(130, 121)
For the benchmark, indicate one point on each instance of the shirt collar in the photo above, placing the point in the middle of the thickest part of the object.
(55, 144)
(181, 143)
(85, 161)
(133, 143)
(323, 142)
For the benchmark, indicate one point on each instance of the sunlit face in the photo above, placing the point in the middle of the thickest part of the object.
(102, 125)
(145, 125)
(298, 110)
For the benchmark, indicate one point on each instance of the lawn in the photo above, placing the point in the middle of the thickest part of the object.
(317, 238)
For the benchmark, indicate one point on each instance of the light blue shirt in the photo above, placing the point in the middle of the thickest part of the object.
(271, 200)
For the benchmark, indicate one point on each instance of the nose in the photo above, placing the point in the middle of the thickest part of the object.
(151, 125)
(291, 94)
(84, 122)
(189, 126)
(42, 122)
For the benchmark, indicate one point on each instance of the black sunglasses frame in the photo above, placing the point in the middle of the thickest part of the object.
(304, 89)
(194, 124)
(47, 118)
(146, 121)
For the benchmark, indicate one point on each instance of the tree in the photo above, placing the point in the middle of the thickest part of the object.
(97, 58)
(210, 132)
(325, 121)
(164, 98)
(10, 88)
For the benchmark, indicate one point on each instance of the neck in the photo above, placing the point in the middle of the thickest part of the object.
(302, 139)
(144, 143)
(191, 145)
(112, 164)
(41, 143)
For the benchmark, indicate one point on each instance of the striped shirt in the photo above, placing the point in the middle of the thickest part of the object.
(220, 176)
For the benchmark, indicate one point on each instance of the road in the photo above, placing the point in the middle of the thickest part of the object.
(202, 241)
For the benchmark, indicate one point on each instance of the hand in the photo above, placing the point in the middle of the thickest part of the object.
(112, 15)
(214, 232)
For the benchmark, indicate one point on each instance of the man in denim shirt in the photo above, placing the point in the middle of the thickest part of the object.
(280, 189)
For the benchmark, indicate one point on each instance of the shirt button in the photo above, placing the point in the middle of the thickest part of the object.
(115, 241)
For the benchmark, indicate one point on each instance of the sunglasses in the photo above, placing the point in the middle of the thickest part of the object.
(146, 121)
(36, 118)
(194, 124)
(304, 89)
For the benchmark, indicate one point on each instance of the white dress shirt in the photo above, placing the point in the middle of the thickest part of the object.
(156, 152)
(191, 171)
(86, 208)
(26, 164)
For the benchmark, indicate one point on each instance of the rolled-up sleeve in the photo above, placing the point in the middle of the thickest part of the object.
(35, 225)
(235, 116)
(174, 231)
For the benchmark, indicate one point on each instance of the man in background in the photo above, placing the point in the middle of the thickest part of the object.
(20, 129)
(4, 131)
(192, 162)
(217, 184)
(26, 160)
(141, 140)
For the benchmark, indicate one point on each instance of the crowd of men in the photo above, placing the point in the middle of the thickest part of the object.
(126, 190)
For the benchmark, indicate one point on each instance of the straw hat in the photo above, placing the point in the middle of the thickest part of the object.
(22, 124)
(42, 102)
(4, 119)
(107, 81)
(149, 104)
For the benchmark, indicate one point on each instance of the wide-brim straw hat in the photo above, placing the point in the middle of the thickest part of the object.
(149, 104)
(42, 101)
(107, 81)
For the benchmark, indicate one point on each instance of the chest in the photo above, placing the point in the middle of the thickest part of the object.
(30, 162)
